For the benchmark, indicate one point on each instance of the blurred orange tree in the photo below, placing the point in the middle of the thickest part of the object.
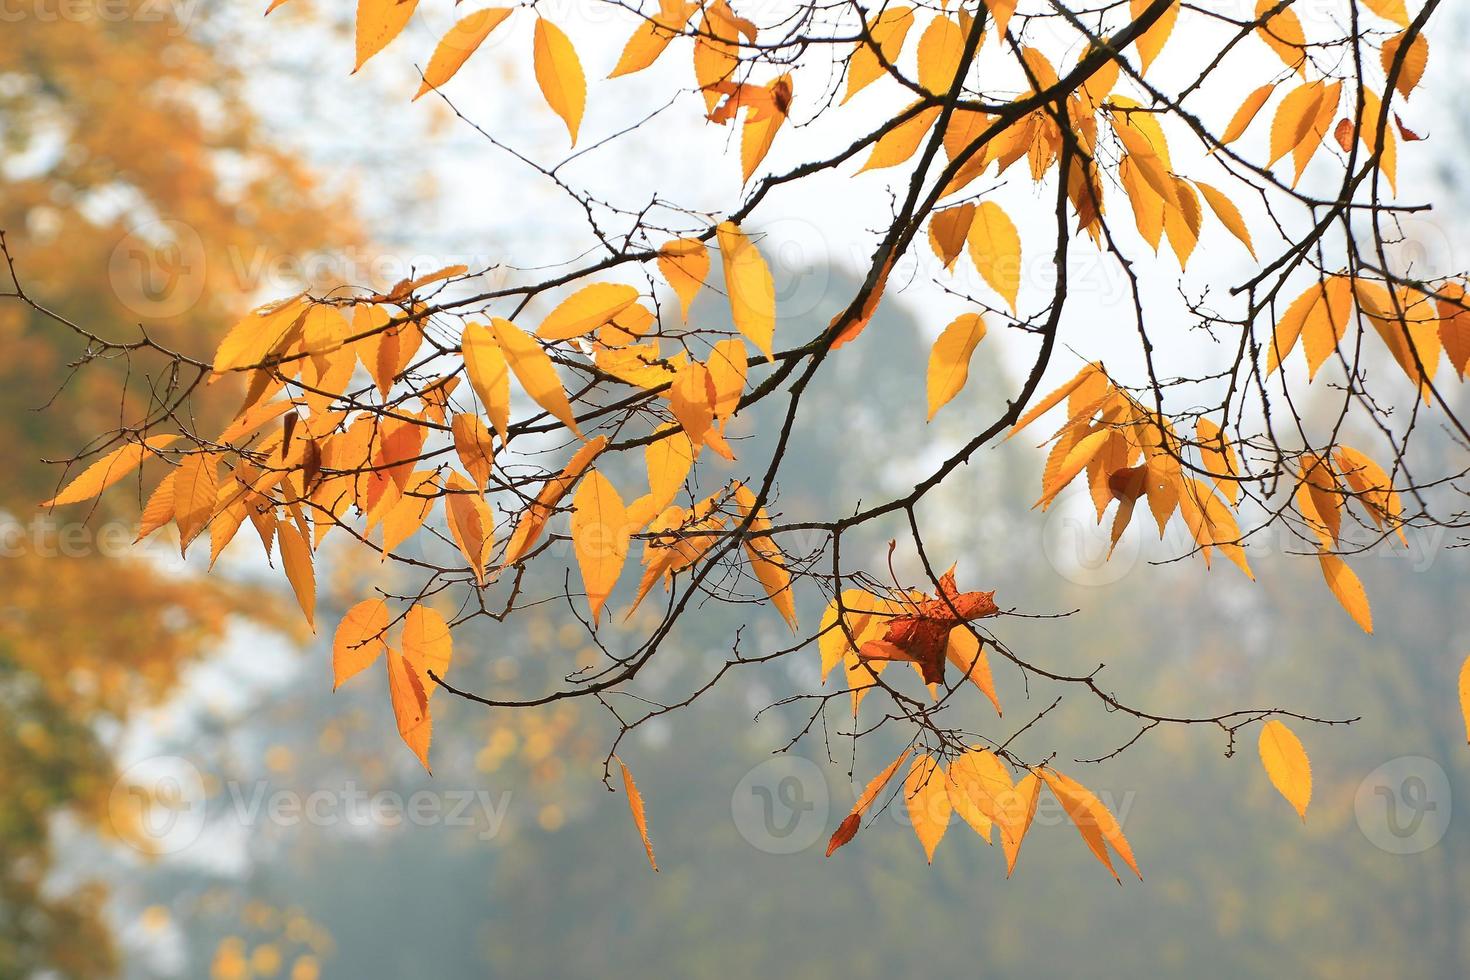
(134, 178)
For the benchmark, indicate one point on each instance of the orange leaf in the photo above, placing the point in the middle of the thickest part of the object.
(1287, 765)
(635, 806)
(926, 791)
(850, 825)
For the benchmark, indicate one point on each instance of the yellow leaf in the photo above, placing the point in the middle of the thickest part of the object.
(888, 31)
(1073, 463)
(471, 523)
(1347, 588)
(196, 489)
(1054, 399)
(965, 651)
(1289, 327)
(1015, 818)
(473, 446)
(902, 141)
(1228, 214)
(1295, 117)
(586, 310)
(427, 645)
(485, 364)
(533, 518)
(969, 812)
(159, 509)
(108, 470)
(949, 359)
(848, 829)
(765, 557)
(359, 639)
(727, 365)
(761, 124)
(559, 73)
(1326, 322)
(410, 706)
(995, 248)
(948, 231)
(1416, 60)
(1465, 695)
(1283, 33)
(926, 791)
(1246, 113)
(1151, 42)
(1393, 10)
(1218, 458)
(752, 291)
(684, 263)
(1093, 821)
(652, 36)
(600, 535)
(691, 397)
(378, 23)
(296, 556)
(941, 48)
(534, 370)
(635, 806)
(456, 47)
(1001, 10)
(1287, 764)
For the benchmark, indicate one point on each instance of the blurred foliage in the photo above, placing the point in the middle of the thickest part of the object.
(122, 132)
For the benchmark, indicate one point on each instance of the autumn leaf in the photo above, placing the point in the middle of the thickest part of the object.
(684, 263)
(949, 230)
(1282, 32)
(296, 556)
(1098, 827)
(110, 469)
(360, 639)
(463, 39)
(586, 310)
(378, 23)
(921, 634)
(410, 706)
(765, 557)
(752, 291)
(600, 537)
(1152, 41)
(995, 248)
(534, 370)
(473, 446)
(1465, 696)
(966, 652)
(559, 73)
(887, 31)
(949, 359)
(1347, 588)
(926, 791)
(1247, 112)
(485, 364)
(1287, 765)
(850, 825)
(1415, 61)
(635, 806)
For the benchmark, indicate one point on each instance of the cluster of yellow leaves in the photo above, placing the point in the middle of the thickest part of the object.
(977, 786)
(413, 671)
(1126, 452)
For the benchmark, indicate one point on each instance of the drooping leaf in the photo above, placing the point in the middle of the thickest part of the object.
(995, 248)
(410, 706)
(888, 31)
(750, 286)
(485, 364)
(850, 825)
(684, 263)
(1287, 765)
(926, 791)
(1415, 61)
(534, 370)
(428, 645)
(635, 807)
(559, 73)
(296, 557)
(1346, 586)
(949, 359)
(600, 536)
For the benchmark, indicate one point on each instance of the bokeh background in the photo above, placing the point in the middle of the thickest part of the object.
(171, 163)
